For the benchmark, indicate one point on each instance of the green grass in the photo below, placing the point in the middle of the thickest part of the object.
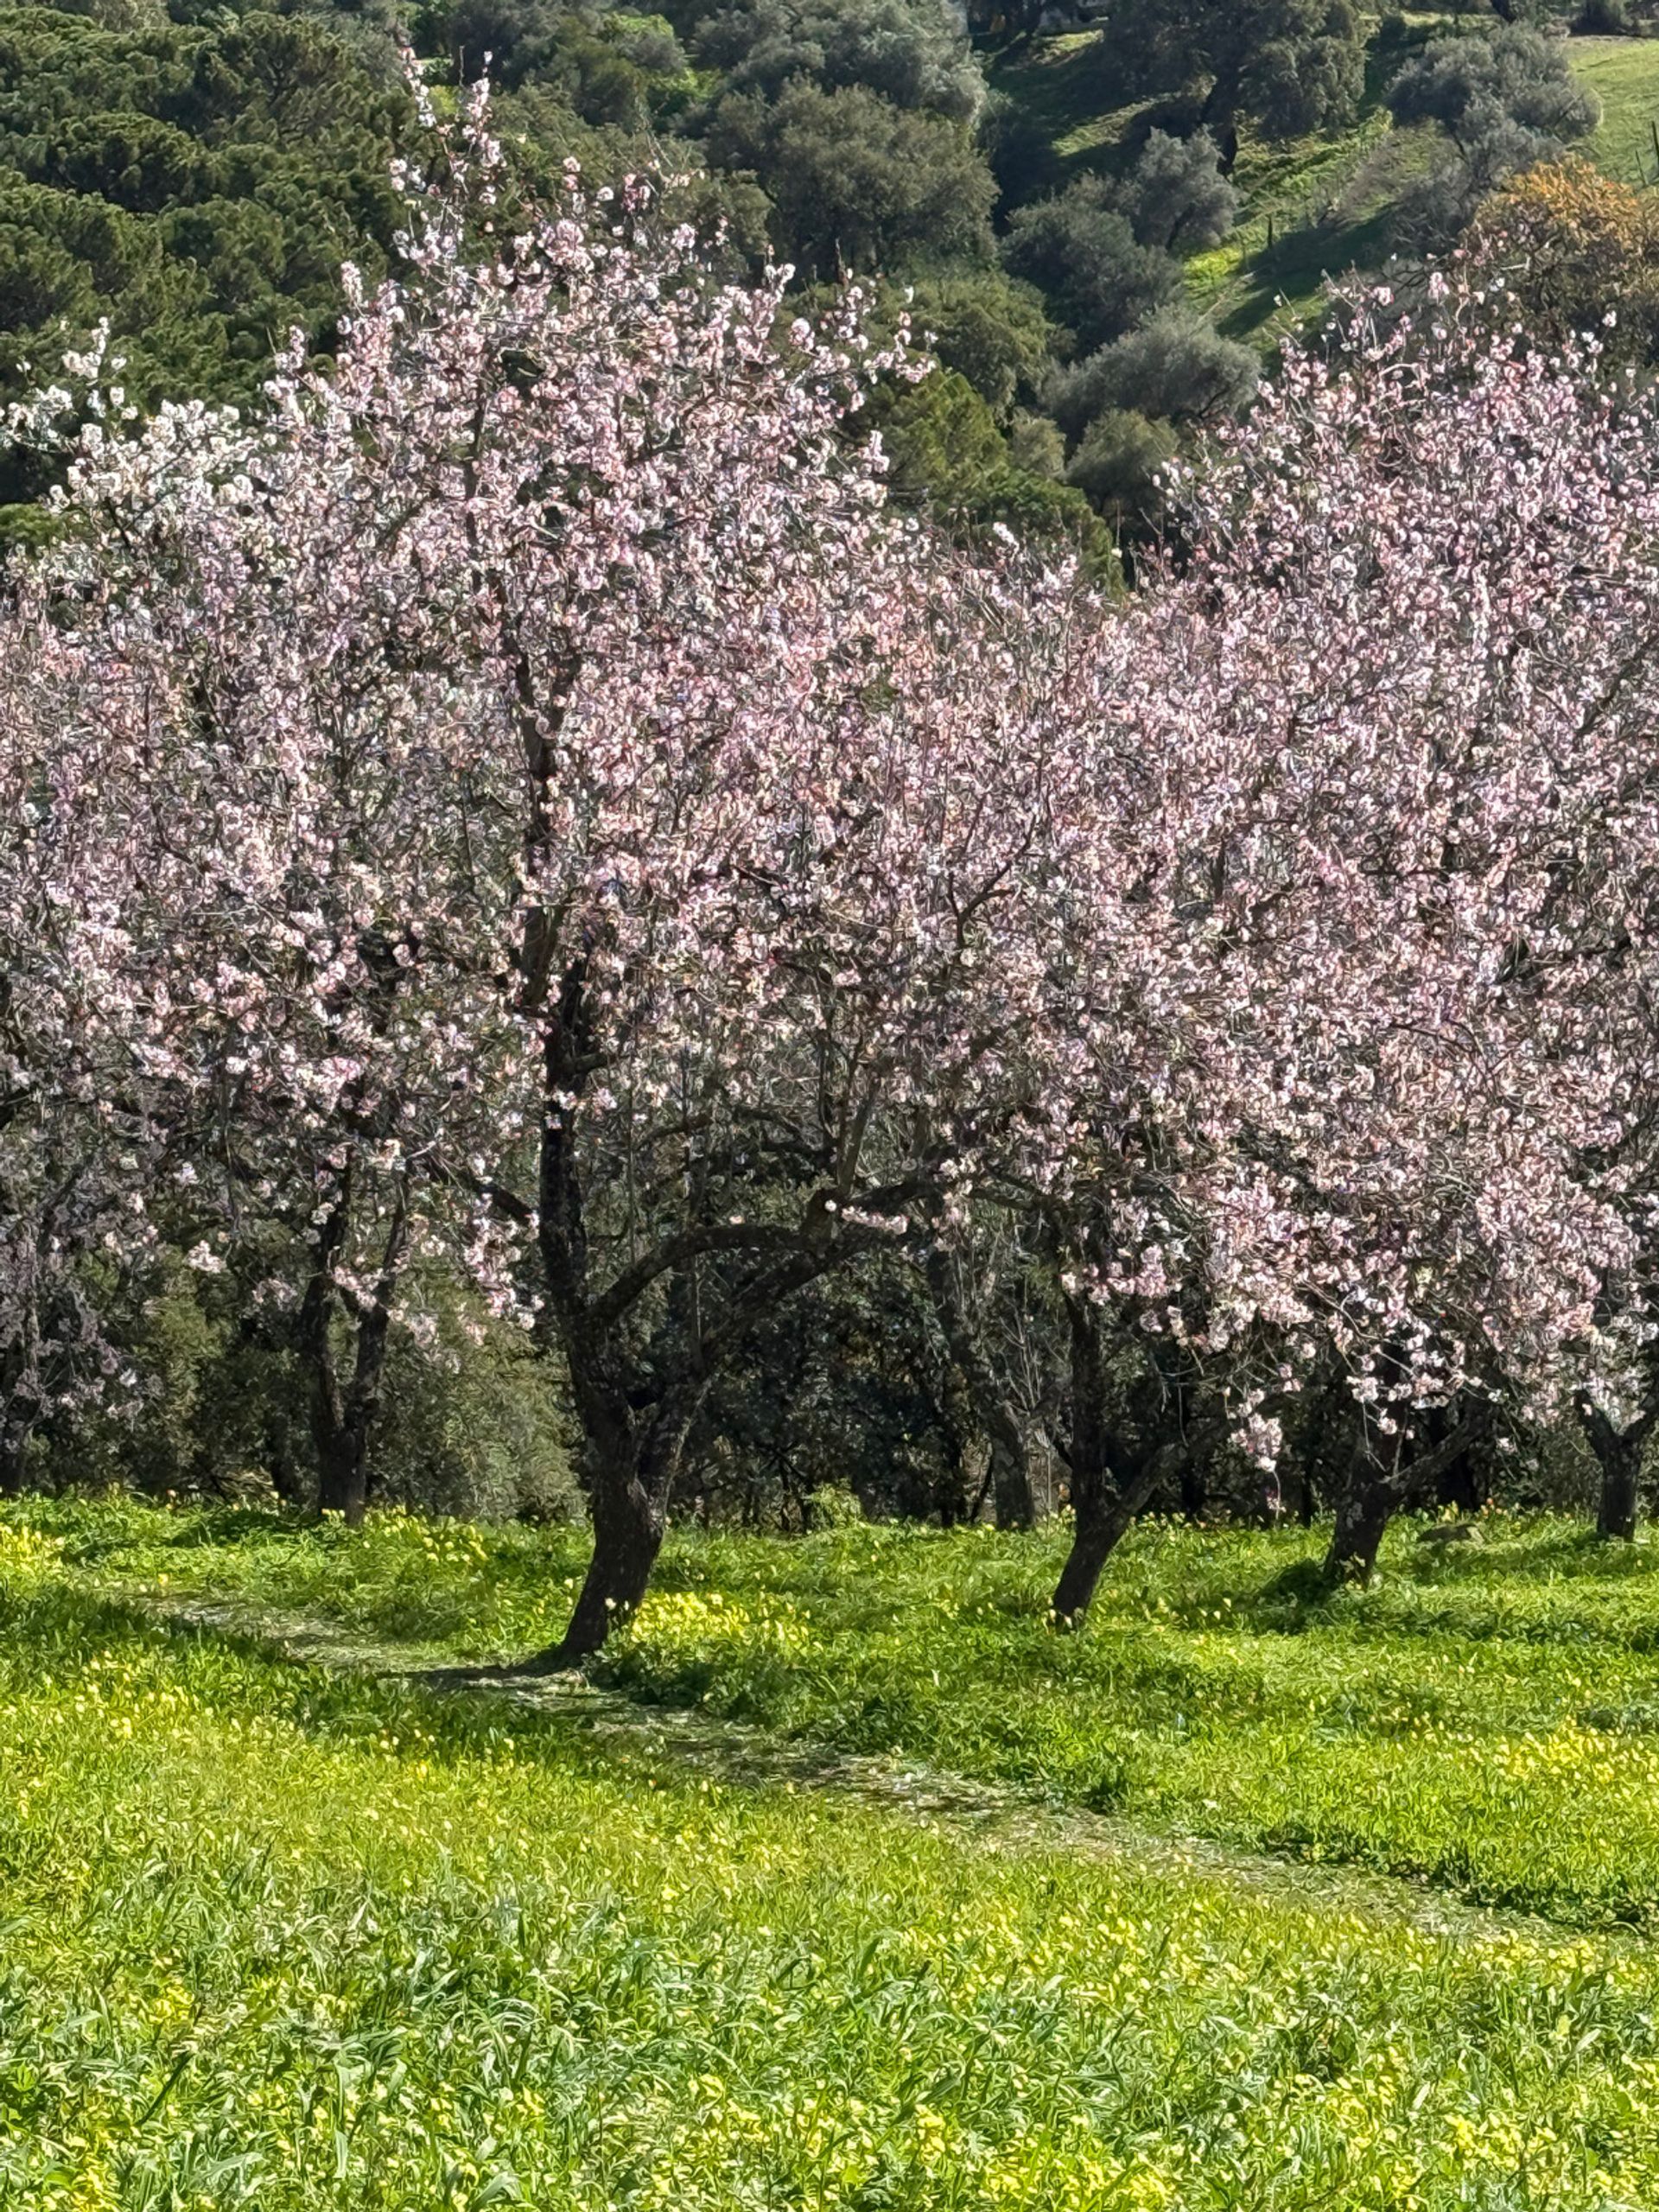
(281, 1940)
(1310, 208)
(1059, 86)
(1484, 1720)
(1624, 74)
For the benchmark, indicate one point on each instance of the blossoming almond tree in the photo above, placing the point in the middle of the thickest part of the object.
(557, 814)
(78, 1142)
(1425, 611)
(584, 825)
(1352, 1038)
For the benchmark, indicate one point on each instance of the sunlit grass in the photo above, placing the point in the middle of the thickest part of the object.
(279, 1940)
(1624, 74)
(1315, 209)
(1485, 1718)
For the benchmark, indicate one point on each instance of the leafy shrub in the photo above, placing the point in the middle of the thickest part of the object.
(1081, 252)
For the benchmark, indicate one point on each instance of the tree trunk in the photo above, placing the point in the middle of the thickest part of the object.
(1620, 1453)
(1458, 1482)
(285, 1478)
(1110, 1481)
(21, 1403)
(343, 1418)
(1014, 1500)
(1460, 1485)
(1219, 116)
(630, 1515)
(1192, 1488)
(13, 1451)
(1365, 1505)
(636, 1411)
(1373, 1492)
(342, 1471)
(1100, 1529)
(1013, 1453)
(1620, 1477)
(628, 1528)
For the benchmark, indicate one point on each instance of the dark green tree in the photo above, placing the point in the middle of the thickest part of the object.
(1468, 86)
(1505, 102)
(855, 182)
(197, 186)
(1176, 195)
(1177, 367)
(1117, 465)
(1081, 252)
(914, 53)
(1285, 66)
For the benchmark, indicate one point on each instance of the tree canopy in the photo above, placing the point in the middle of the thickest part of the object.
(1288, 66)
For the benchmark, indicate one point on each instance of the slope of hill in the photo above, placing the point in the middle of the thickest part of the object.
(1317, 206)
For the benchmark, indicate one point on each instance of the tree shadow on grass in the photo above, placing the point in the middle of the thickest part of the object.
(1298, 262)
(1294, 1600)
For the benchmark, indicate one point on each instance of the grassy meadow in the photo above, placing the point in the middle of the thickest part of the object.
(282, 1936)
(1485, 1718)
(1624, 74)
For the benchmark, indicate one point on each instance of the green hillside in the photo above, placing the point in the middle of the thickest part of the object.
(1321, 205)
(196, 177)
(1624, 74)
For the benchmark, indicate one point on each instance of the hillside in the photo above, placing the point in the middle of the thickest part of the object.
(196, 179)
(1319, 205)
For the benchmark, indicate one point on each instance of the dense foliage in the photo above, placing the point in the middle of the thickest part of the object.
(197, 180)
(197, 186)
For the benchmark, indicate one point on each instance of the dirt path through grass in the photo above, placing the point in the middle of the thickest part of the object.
(997, 1819)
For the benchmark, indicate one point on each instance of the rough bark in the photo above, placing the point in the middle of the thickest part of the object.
(21, 1403)
(1620, 1453)
(285, 1477)
(12, 1465)
(343, 1413)
(1366, 1504)
(1114, 1471)
(1375, 1488)
(1101, 1527)
(630, 1517)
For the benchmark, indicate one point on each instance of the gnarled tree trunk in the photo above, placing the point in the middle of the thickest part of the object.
(1619, 1454)
(630, 1518)
(343, 1413)
(1113, 1472)
(1376, 1486)
(1367, 1501)
(637, 1395)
